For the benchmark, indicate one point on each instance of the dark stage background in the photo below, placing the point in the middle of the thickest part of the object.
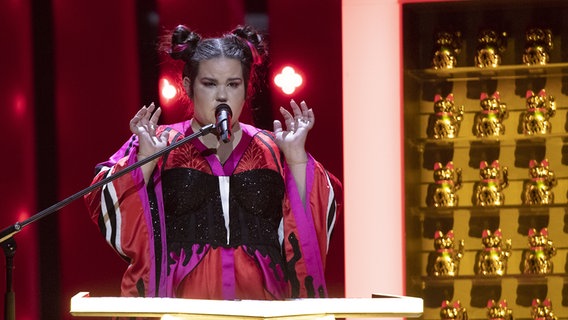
(72, 74)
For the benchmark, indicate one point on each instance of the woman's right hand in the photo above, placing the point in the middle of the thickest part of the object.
(144, 125)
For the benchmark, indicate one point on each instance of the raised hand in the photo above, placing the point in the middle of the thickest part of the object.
(292, 140)
(144, 125)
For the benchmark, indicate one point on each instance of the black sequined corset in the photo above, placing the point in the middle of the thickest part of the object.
(194, 214)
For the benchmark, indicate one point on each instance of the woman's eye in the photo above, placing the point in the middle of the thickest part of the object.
(209, 84)
(234, 84)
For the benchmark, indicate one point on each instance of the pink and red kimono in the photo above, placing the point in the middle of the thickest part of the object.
(202, 229)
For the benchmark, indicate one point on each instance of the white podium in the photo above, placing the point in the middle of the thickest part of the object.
(380, 306)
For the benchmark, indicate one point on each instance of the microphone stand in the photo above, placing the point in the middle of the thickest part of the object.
(8, 242)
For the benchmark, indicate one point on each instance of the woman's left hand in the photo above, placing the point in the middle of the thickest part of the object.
(292, 140)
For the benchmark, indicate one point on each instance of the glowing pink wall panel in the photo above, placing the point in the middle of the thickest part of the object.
(373, 159)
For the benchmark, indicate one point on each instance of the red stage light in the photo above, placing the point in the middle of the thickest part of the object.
(167, 90)
(23, 214)
(19, 105)
(288, 80)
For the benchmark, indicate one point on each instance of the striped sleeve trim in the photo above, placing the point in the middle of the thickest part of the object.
(331, 211)
(110, 221)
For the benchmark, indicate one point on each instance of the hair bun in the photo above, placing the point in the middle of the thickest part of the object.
(252, 36)
(184, 42)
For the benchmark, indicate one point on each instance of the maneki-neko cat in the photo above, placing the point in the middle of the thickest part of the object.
(489, 121)
(492, 260)
(447, 46)
(538, 259)
(538, 46)
(447, 181)
(490, 46)
(452, 311)
(538, 190)
(499, 311)
(542, 310)
(447, 261)
(540, 108)
(447, 118)
(494, 179)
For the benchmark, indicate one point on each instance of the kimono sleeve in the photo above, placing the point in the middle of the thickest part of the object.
(118, 208)
(124, 210)
(308, 229)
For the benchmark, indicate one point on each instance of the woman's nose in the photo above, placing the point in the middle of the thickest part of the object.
(221, 94)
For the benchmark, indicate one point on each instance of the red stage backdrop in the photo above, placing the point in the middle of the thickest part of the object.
(96, 90)
(17, 185)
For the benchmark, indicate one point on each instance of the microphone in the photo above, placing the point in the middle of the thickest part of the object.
(223, 114)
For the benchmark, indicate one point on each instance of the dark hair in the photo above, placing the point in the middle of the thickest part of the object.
(244, 44)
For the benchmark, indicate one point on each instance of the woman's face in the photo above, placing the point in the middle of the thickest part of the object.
(219, 80)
